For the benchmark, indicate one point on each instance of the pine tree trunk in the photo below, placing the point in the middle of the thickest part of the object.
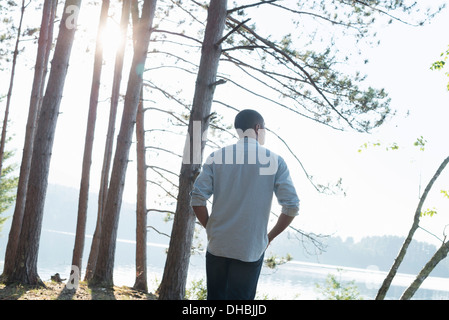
(176, 267)
(104, 180)
(25, 271)
(89, 141)
(105, 262)
(397, 262)
(141, 208)
(11, 84)
(428, 268)
(43, 52)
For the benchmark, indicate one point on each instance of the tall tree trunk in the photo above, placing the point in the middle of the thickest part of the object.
(428, 268)
(105, 261)
(176, 267)
(43, 52)
(89, 141)
(141, 207)
(104, 180)
(11, 84)
(397, 262)
(25, 270)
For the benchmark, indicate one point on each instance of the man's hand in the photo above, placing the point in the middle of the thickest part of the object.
(202, 214)
(282, 223)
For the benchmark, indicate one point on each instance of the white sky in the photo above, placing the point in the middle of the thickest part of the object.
(381, 186)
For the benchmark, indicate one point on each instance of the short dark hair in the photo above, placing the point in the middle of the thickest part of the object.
(247, 119)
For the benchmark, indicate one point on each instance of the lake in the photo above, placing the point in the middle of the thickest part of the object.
(293, 280)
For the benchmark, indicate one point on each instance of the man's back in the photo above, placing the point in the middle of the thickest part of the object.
(242, 179)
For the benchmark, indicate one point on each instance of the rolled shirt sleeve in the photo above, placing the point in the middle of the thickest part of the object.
(203, 186)
(285, 190)
(242, 178)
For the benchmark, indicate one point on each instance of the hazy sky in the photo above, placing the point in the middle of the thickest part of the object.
(382, 187)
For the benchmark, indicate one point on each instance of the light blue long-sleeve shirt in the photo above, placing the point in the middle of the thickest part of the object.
(242, 179)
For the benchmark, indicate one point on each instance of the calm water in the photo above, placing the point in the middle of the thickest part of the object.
(294, 280)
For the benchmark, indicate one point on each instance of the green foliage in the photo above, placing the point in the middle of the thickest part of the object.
(197, 290)
(429, 212)
(7, 33)
(445, 193)
(433, 211)
(366, 145)
(440, 64)
(273, 261)
(335, 289)
(420, 142)
(8, 185)
(393, 146)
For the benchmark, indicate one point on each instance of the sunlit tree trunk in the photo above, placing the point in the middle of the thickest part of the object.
(43, 52)
(89, 141)
(176, 267)
(105, 262)
(141, 204)
(425, 272)
(104, 180)
(25, 270)
(397, 262)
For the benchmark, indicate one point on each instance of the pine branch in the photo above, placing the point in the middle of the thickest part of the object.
(161, 211)
(243, 48)
(150, 84)
(163, 149)
(176, 57)
(234, 29)
(315, 15)
(182, 121)
(162, 169)
(271, 76)
(165, 190)
(178, 34)
(295, 64)
(161, 233)
(309, 177)
(385, 13)
(250, 5)
(262, 96)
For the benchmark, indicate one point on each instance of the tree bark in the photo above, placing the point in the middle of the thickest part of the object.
(104, 180)
(397, 262)
(25, 270)
(89, 141)
(141, 282)
(105, 261)
(43, 52)
(428, 268)
(176, 267)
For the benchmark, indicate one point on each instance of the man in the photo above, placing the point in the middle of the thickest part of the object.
(242, 179)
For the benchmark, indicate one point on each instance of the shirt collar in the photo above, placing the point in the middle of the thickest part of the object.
(248, 140)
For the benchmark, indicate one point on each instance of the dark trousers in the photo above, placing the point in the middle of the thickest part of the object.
(231, 279)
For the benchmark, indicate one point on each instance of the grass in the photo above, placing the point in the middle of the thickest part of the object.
(58, 291)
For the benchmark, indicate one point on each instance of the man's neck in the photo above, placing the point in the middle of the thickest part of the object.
(248, 139)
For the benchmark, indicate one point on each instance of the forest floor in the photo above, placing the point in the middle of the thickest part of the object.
(58, 291)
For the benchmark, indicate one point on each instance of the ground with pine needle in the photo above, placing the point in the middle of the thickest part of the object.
(58, 291)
